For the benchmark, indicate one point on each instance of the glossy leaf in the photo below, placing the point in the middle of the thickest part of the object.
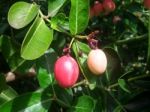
(37, 40)
(60, 22)
(54, 6)
(7, 94)
(83, 47)
(123, 85)
(28, 103)
(84, 104)
(44, 78)
(79, 16)
(21, 14)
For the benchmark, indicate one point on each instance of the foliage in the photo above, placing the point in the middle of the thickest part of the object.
(34, 33)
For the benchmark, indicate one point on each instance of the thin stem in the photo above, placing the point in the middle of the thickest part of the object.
(71, 42)
(129, 80)
(60, 101)
(81, 37)
(80, 83)
(120, 42)
(44, 17)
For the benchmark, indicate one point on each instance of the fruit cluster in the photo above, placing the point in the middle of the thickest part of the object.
(66, 69)
(105, 7)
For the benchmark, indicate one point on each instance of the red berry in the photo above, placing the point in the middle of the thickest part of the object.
(98, 8)
(147, 4)
(66, 71)
(97, 61)
(109, 5)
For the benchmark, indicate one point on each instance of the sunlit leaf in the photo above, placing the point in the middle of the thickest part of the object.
(37, 40)
(21, 14)
(44, 78)
(79, 16)
(36, 101)
(54, 6)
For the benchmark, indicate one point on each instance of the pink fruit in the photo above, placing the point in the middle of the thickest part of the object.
(66, 71)
(97, 61)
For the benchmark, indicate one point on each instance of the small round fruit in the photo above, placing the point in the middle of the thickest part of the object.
(109, 5)
(147, 4)
(97, 61)
(98, 8)
(66, 71)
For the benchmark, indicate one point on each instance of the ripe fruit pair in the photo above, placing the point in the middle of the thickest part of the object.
(67, 71)
(107, 6)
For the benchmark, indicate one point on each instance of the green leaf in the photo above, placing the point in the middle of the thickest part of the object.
(7, 94)
(60, 22)
(65, 97)
(36, 101)
(37, 40)
(44, 78)
(54, 6)
(84, 47)
(84, 104)
(82, 61)
(79, 16)
(21, 14)
(122, 83)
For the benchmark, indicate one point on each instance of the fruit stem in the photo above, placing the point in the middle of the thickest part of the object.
(80, 83)
(71, 42)
(81, 37)
(129, 80)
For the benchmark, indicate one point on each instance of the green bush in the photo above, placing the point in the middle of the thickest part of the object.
(35, 33)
